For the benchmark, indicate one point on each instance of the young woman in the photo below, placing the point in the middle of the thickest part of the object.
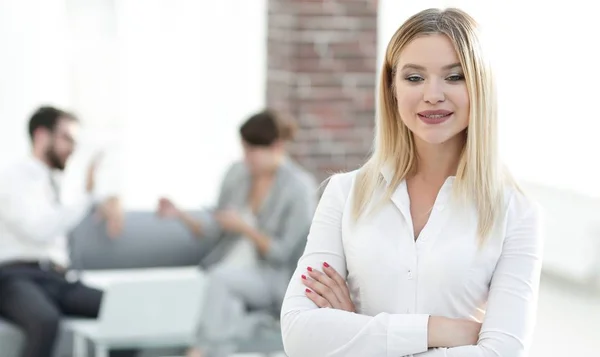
(430, 248)
(257, 231)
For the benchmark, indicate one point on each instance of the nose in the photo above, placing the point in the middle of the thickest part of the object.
(433, 92)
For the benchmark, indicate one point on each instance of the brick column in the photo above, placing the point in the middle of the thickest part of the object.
(321, 67)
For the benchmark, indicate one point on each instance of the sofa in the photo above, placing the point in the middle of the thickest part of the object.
(147, 242)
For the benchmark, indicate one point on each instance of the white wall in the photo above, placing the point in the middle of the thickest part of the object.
(191, 72)
(545, 55)
(161, 85)
(33, 67)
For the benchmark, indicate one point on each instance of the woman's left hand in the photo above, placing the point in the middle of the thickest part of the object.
(231, 221)
(328, 289)
(111, 211)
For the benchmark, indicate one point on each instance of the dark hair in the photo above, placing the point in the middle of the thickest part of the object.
(47, 117)
(267, 127)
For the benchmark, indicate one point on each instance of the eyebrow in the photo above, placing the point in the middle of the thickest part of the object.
(421, 68)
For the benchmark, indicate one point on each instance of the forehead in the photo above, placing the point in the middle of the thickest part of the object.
(67, 126)
(429, 51)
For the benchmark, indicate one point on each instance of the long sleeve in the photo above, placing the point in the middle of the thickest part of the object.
(31, 215)
(211, 230)
(310, 331)
(295, 225)
(511, 311)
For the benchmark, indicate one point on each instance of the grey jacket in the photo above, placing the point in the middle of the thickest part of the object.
(285, 216)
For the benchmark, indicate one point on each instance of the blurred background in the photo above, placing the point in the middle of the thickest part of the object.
(162, 85)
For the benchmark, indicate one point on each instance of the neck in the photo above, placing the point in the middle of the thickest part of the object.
(436, 162)
(41, 156)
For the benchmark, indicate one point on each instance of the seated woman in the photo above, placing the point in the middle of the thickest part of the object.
(258, 229)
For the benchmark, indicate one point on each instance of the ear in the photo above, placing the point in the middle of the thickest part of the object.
(41, 136)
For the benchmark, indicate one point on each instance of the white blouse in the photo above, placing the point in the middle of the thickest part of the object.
(243, 253)
(396, 283)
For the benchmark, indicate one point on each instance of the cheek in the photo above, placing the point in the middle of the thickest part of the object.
(460, 97)
(408, 103)
(64, 148)
(58, 147)
(462, 103)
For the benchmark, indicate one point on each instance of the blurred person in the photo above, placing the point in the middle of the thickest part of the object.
(35, 290)
(263, 214)
(430, 248)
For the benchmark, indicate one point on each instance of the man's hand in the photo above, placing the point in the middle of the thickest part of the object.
(111, 211)
(328, 289)
(167, 209)
(231, 221)
(90, 182)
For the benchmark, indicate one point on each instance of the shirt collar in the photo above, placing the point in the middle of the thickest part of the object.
(388, 170)
(39, 165)
(41, 168)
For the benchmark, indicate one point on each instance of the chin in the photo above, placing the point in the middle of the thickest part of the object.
(433, 139)
(437, 137)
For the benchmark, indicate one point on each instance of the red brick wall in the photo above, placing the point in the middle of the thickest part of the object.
(321, 68)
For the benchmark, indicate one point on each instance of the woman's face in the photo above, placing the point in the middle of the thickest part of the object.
(430, 88)
(260, 159)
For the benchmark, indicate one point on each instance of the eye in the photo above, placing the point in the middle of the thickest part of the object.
(414, 78)
(455, 77)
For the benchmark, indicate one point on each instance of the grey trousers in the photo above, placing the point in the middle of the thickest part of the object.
(233, 297)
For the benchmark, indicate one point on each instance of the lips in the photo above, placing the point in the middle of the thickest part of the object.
(434, 116)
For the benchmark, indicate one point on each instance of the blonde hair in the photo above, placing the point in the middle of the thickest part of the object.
(479, 178)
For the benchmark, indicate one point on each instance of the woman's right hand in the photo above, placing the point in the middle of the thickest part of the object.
(448, 332)
(167, 209)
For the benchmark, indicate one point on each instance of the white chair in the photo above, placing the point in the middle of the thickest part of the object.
(150, 312)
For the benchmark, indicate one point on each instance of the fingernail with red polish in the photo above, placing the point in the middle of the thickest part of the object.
(326, 265)
(309, 269)
(308, 291)
(304, 277)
